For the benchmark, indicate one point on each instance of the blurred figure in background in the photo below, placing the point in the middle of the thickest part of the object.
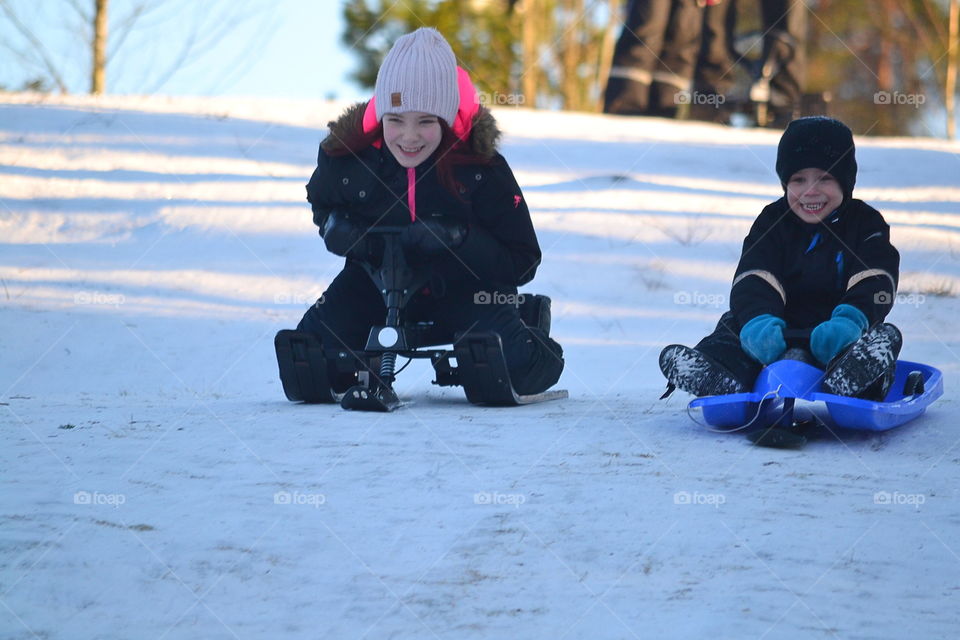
(676, 52)
(715, 73)
(654, 58)
(780, 80)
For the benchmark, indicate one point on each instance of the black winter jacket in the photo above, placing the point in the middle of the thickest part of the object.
(800, 271)
(501, 248)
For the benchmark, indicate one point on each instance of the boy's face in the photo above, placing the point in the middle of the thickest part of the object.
(411, 136)
(813, 194)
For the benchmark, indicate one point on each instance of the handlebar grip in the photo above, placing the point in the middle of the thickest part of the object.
(385, 230)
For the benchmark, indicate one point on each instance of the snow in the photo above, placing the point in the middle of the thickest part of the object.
(158, 485)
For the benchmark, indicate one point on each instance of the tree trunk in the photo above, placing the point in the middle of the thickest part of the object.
(98, 77)
(570, 26)
(531, 65)
(953, 52)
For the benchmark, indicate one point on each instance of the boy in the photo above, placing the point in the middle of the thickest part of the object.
(816, 260)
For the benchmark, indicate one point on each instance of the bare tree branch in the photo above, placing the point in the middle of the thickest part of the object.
(75, 4)
(125, 26)
(83, 23)
(37, 45)
(203, 39)
(196, 29)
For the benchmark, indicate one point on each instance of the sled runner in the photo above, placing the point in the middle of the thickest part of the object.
(782, 383)
(315, 373)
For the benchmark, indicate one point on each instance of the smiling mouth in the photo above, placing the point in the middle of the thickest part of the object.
(814, 207)
(411, 152)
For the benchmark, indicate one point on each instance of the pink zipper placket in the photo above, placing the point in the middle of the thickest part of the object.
(412, 203)
(412, 192)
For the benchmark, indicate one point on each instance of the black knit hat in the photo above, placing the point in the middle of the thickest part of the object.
(822, 143)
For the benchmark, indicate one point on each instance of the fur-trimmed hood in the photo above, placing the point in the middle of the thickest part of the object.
(475, 188)
(347, 130)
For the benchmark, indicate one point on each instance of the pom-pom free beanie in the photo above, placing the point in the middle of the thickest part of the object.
(419, 74)
(822, 143)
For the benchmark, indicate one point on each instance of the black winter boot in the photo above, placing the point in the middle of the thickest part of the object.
(865, 370)
(695, 373)
(545, 367)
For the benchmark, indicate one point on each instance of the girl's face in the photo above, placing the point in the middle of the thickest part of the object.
(813, 194)
(412, 136)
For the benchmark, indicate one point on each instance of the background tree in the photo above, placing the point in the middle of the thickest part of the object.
(953, 58)
(886, 67)
(534, 52)
(556, 53)
(98, 80)
(479, 35)
(199, 27)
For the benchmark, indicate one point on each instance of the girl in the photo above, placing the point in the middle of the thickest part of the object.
(422, 155)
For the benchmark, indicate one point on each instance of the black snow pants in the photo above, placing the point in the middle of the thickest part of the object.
(343, 316)
(715, 72)
(785, 33)
(654, 58)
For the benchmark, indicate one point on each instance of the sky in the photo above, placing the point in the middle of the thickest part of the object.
(288, 49)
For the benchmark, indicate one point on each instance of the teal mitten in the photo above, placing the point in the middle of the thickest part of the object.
(845, 326)
(762, 338)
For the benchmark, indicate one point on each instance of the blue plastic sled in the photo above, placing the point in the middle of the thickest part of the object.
(782, 383)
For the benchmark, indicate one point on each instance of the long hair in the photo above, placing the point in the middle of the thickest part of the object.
(453, 152)
(450, 153)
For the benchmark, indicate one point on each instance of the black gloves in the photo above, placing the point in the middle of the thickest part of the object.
(345, 238)
(430, 237)
(421, 241)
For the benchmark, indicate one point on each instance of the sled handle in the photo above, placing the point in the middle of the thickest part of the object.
(385, 230)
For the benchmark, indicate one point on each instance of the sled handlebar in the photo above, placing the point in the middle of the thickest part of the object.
(386, 230)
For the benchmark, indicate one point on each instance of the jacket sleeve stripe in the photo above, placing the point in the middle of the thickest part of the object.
(767, 277)
(637, 75)
(856, 278)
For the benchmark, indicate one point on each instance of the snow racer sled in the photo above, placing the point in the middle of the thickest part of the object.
(475, 361)
(768, 411)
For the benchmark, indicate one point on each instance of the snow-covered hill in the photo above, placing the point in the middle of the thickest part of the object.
(156, 484)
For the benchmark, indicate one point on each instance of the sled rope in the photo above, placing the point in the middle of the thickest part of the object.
(774, 394)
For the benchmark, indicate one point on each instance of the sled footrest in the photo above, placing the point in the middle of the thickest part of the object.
(483, 373)
(303, 367)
